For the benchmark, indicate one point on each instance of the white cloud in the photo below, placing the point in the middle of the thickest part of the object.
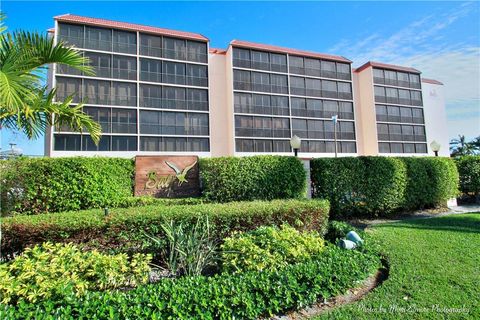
(421, 44)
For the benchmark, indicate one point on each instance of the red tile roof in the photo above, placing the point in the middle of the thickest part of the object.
(51, 30)
(432, 81)
(217, 51)
(129, 26)
(386, 66)
(252, 45)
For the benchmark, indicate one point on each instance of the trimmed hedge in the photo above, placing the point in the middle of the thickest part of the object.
(241, 296)
(124, 230)
(252, 178)
(469, 171)
(380, 186)
(40, 185)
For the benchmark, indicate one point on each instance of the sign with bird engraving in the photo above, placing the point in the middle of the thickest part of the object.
(167, 176)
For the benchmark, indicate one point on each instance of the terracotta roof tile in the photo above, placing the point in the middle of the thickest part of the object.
(386, 66)
(217, 51)
(432, 81)
(129, 26)
(259, 46)
(51, 30)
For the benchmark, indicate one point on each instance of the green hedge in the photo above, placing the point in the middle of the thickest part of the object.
(123, 230)
(380, 186)
(469, 171)
(43, 185)
(252, 178)
(248, 295)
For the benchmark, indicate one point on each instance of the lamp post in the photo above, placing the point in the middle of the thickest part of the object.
(295, 143)
(435, 146)
(335, 120)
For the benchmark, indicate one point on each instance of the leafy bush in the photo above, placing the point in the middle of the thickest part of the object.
(55, 271)
(124, 229)
(38, 185)
(252, 178)
(269, 248)
(249, 295)
(339, 229)
(469, 171)
(381, 186)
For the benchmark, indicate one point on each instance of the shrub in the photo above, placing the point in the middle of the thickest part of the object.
(55, 271)
(381, 186)
(469, 171)
(37, 185)
(252, 178)
(431, 181)
(339, 229)
(124, 229)
(268, 248)
(249, 295)
(362, 185)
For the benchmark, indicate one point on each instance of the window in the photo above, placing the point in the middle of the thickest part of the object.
(97, 92)
(261, 104)
(173, 72)
(406, 115)
(260, 60)
(174, 123)
(197, 124)
(241, 58)
(403, 96)
(315, 129)
(262, 145)
(150, 70)
(278, 62)
(89, 145)
(124, 67)
(244, 145)
(197, 75)
(419, 132)
(299, 107)
(328, 69)
(382, 132)
(313, 87)
(281, 127)
(344, 90)
(396, 147)
(72, 34)
(241, 80)
(98, 38)
(174, 49)
(299, 127)
(174, 98)
(384, 147)
(390, 77)
(343, 71)
(196, 51)
(420, 148)
(312, 67)
(314, 108)
(395, 132)
(67, 87)
(124, 143)
(243, 102)
(296, 65)
(150, 45)
(260, 81)
(407, 133)
(414, 81)
(150, 122)
(150, 96)
(348, 147)
(280, 105)
(124, 94)
(416, 98)
(381, 112)
(329, 130)
(392, 95)
(66, 142)
(393, 114)
(345, 110)
(197, 99)
(417, 115)
(378, 76)
(409, 148)
(297, 86)
(380, 94)
(279, 83)
(124, 121)
(330, 108)
(403, 79)
(125, 42)
(101, 63)
(329, 89)
(100, 115)
(65, 69)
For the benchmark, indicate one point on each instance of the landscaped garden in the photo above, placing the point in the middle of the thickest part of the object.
(77, 244)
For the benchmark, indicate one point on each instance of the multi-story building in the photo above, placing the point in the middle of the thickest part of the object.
(158, 91)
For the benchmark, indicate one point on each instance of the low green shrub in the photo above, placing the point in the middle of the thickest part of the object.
(381, 186)
(469, 171)
(40, 185)
(269, 248)
(125, 229)
(249, 295)
(56, 271)
(339, 229)
(252, 178)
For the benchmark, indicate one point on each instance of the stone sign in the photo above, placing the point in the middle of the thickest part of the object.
(167, 176)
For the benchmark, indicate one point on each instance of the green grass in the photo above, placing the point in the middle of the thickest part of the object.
(433, 262)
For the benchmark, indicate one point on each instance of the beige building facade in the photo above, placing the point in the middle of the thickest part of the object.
(159, 91)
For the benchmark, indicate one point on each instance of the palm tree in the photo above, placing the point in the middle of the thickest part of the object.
(460, 147)
(26, 103)
(476, 144)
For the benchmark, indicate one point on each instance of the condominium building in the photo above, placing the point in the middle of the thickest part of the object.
(159, 91)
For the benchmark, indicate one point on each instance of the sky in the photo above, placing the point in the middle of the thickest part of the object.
(442, 39)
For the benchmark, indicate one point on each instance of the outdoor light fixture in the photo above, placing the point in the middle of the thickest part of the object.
(435, 146)
(335, 120)
(295, 143)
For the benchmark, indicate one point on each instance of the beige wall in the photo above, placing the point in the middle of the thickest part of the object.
(435, 117)
(221, 105)
(365, 116)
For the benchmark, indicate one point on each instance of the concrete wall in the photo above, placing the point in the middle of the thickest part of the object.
(435, 117)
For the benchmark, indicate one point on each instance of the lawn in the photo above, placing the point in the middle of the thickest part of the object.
(434, 271)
